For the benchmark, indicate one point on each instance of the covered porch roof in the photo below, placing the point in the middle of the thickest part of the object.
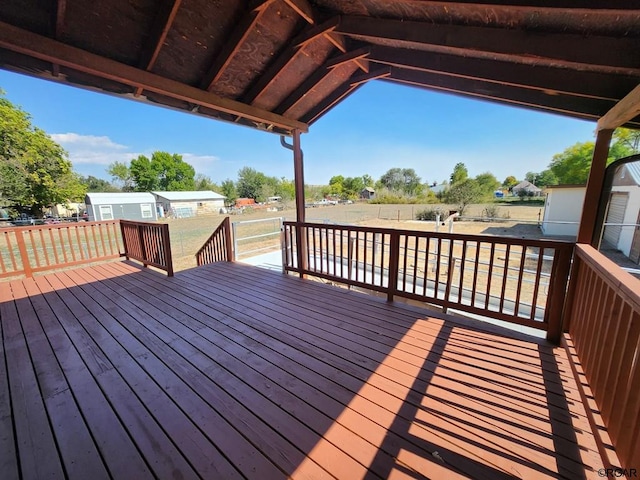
(279, 65)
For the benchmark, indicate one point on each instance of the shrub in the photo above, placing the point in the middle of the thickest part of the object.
(491, 212)
(429, 214)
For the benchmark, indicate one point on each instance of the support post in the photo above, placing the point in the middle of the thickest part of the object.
(298, 168)
(592, 197)
(394, 264)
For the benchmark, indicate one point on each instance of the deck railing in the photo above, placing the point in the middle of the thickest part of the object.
(148, 243)
(218, 247)
(603, 314)
(516, 280)
(37, 248)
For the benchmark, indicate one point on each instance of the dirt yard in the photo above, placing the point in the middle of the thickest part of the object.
(516, 220)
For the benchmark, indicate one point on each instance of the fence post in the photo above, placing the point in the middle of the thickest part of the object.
(558, 293)
(231, 251)
(394, 260)
(168, 257)
(22, 248)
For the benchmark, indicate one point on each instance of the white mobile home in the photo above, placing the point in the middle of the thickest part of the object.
(562, 210)
(127, 206)
(623, 212)
(188, 204)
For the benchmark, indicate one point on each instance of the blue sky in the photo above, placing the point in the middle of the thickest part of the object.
(381, 126)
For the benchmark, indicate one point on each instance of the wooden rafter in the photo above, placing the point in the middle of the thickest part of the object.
(304, 9)
(585, 53)
(343, 91)
(288, 55)
(548, 79)
(43, 48)
(233, 43)
(317, 76)
(58, 29)
(504, 93)
(162, 24)
(625, 110)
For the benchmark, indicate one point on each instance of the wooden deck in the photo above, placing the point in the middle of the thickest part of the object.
(229, 371)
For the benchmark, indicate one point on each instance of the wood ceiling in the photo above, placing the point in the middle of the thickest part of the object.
(279, 65)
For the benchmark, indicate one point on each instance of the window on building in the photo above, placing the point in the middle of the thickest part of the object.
(145, 208)
(106, 212)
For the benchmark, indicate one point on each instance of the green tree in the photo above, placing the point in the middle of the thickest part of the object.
(487, 183)
(368, 180)
(163, 171)
(460, 173)
(545, 178)
(34, 170)
(510, 182)
(203, 182)
(401, 180)
(121, 176)
(94, 184)
(572, 166)
(628, 138)
(336, 185)
(464, 193)
(229, 191)
(250, 183)
(352, 187)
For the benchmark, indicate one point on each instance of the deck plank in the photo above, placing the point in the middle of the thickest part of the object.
(8, 457)
(229, 371)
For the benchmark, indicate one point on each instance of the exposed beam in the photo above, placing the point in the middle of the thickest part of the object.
(547, 79)
(28, 43)
(58, 29)
(233, 44)
(595, 184)
(316, 77)
(288, 54)
(343, 91)
(537, 5)
(564, 104)
(304, 9)
(340, 43)
(585, 53)
(626, 109)
(161, 26)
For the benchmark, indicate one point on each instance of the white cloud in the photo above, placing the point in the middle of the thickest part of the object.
(204, 164)
(93, 149)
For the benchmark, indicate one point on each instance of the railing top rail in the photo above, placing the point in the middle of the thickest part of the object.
(260, 220)
(544, 243)
(623, 282)
(53, 226)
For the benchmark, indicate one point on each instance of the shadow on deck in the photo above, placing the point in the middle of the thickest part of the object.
(231, 371)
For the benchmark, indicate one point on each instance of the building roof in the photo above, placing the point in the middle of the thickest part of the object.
(634, 170)
(279, 65)
(559, 187)
(124, 197)
(369, 189)
(526, 185)
(198, 195)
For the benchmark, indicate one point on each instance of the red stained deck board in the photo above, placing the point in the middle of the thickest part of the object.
(244, 372)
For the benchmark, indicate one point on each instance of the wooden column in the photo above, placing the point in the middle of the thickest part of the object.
(301, 238)
(595, 186)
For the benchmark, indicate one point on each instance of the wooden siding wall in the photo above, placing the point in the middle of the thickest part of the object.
(31, 249)
(148, 243)
(218, 247)
(604, 330)
(517, 280)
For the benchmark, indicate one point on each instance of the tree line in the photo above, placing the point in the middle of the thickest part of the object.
(35, 173)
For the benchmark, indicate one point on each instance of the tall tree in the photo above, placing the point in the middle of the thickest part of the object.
(464, 193)
(250, 183)
(203, 182)
(403, 180)
(121, 176)
(460, 173)
(163, 171)
(229, 191)
(572, 166)
(510, 182)
(34, 170)
(628, 138)
(94, 184)
(487, 182)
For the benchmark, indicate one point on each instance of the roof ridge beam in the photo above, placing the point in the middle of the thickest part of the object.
(233, 44)
(304, 9)
(317, 76)
(596, 53)
(43, 48)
